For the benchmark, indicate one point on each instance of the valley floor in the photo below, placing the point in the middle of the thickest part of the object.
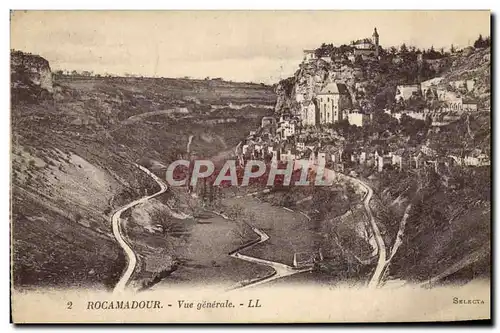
(209, 245)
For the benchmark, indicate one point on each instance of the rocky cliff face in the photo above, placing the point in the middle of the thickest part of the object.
(31, 77)
(372, 82)
(472, 65)
(284, 90)
(309, 79)
(364, 80)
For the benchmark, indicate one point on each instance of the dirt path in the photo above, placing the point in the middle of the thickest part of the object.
(188, 148)
(142, 116)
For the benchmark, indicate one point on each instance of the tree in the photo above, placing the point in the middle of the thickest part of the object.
(325, 201)
(161, 217)
(482, 43)
(479, 42)
(287, 85)
(382, 122)
(393, 50)
(403, 49)
(324, 50)
(385, 98)
(352, 197)
(433, 54)
(452, 49)
(358, 60)
(488, 41)
(411, 126)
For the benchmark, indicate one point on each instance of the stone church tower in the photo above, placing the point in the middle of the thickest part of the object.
(375, 41)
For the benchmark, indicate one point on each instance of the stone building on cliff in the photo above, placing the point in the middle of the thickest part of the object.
(333, 99)
(309, 113)
(367, 46)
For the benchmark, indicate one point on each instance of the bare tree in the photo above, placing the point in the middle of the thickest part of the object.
(162, 217)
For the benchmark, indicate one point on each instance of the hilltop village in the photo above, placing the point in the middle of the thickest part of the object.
(326, 115)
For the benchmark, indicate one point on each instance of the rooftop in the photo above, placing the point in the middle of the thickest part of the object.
(334, 88)
(363, 41)
(414, 86)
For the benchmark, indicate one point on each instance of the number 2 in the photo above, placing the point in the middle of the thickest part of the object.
(69, 305)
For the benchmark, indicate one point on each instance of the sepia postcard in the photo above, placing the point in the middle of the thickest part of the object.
(250, 166)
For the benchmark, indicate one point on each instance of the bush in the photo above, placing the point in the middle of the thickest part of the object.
(78, 217)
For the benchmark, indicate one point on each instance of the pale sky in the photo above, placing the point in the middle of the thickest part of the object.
(257, 46)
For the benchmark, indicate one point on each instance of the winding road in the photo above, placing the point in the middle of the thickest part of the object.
(382, 253)
(281, 270)
(381, 249)
(117, 231)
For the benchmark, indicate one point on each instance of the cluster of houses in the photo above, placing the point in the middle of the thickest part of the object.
(432, 89)
(269, 143)
(416, 158)
(289, 126)
(340, 159)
